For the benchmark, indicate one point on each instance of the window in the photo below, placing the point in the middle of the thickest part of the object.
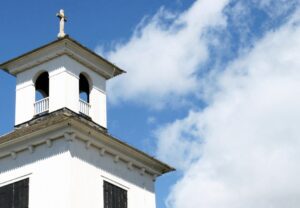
(15, 195)
(114, 196)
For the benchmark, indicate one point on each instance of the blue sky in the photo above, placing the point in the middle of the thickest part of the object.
(211, 89)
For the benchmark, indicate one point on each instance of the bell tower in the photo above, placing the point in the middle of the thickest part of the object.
(60, 153)
(61, 74)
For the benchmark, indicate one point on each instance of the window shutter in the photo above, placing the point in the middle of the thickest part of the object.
(21, 189)
(6, 196)
(114, 196)
(15, 195)
(106, 196)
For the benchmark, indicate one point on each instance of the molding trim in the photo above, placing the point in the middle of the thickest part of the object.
(102, 152)
(19, 178)
(117, 156)
(67, 136)
(30, 149)
(114, 182)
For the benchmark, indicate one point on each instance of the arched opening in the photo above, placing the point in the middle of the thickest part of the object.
(84, 95)
(41, 104)
(42, 86)
(84, 88)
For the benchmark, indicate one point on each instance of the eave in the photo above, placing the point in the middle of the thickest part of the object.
(87, 131)
(65, 46)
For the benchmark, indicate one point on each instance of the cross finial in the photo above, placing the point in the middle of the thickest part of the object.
(63, 19)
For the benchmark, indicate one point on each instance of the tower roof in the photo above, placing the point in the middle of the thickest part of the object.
(63, 46)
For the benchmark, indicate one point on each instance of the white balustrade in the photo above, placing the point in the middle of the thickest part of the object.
(84, 107)
(41, 106)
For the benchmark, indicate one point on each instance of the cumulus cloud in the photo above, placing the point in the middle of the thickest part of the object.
(163, 55)
(275, 8)
(243, 149)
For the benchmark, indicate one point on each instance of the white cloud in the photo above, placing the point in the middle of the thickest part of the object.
(243, 150)
(276, 7)
(163, 55)
(151, 120)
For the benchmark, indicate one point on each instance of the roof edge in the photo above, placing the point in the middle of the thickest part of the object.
(79, 122)
(117, 70)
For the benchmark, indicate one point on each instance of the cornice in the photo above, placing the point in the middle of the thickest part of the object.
(66, 46)
(70, 126)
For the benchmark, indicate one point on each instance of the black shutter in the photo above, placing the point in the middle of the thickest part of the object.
(106, 195)
(21, 189)
(6, 196)
(114, 196)
(15, 195)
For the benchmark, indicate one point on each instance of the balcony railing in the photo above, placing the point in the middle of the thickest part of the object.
(84, 107)
(41, 106)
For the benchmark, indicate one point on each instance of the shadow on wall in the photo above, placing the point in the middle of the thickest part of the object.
(35, 160)
(49, 158)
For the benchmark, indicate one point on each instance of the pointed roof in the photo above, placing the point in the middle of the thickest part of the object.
(63, 46)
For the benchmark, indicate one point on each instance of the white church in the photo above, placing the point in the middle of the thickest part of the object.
(60, 154)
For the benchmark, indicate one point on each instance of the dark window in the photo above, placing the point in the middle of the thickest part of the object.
(84, 88)
(42, 86)
(15, 195)
(114, 196)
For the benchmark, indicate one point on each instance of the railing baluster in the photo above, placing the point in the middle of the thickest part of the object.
(84, 107)
(41, 106)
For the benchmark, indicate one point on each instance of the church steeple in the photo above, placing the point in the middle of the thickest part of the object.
(61, 74)
(60, 145)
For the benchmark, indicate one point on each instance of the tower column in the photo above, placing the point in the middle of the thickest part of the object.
(64, 89)
(25, 97)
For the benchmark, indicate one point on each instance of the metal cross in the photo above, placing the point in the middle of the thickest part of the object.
(63, 19)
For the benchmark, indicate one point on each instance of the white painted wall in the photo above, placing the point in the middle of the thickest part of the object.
(69, 175)
(48, 170)
(25, 97)
(90, 169)
(63, 90)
